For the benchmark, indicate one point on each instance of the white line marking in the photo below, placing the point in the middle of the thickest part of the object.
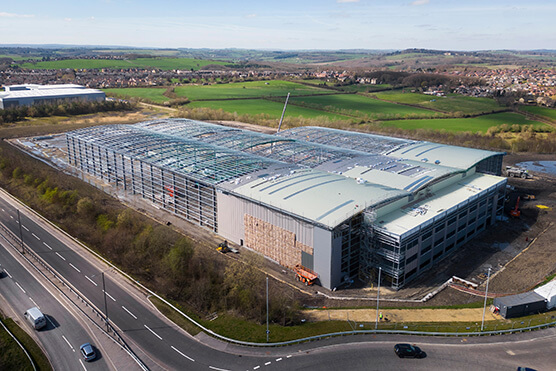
(37, 237)
(93, 282)
(8, 273)
(154, 333)
(45, 244)
(80, 361)
(3, 210)
(110, 296)
(68, 343)
(266, 364)
(61, 257)
(36, 305)
(256, 367)
(289, 356)
(18, 285)
(189, 358)
(218, 369)
(278, 359)
(74, 267)
(510, 352)
(12, 217)
(24, 227)
(128, 312)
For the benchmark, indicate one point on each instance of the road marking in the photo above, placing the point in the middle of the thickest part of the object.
(3, 210)
(68, 343)
(289, 356)
(256, 367)
(266, 364)
(74, 267)
(510, 352)
(45, 244)
(8, 273)
(189, 358)
(18, 285)
(110, 296)
(80, 361)
(37, 237)
(154, 333)
(12, 217)
(36, 305)
(278, 359)
(218, 369)
(131, 314)
(93, 282)
(24, 227)
(61, 257)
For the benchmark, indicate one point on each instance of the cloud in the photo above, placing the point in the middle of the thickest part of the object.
(347, 1)
(419, 2)
(67, 19)
(250, 15)
(13, 15)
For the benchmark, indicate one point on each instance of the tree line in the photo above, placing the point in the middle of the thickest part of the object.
(62, 108)
(196, 277)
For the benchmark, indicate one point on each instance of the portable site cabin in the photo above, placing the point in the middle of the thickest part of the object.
(520, 305)
(548, 292)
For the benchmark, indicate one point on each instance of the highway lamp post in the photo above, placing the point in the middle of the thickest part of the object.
(267, 331)
(486, 295)
(105, 305)
(20, 232)
(378, 297)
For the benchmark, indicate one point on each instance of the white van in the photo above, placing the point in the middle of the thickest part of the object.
(35, 318)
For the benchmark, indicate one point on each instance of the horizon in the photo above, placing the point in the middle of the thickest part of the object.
(290, 25)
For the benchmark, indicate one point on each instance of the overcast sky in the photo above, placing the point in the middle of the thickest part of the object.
(284, 24)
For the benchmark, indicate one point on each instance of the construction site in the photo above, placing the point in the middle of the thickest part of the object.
(340, 205)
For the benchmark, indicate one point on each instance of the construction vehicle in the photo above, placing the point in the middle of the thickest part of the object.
(305, 275)
(224, 248)
(515, 212)
(517, 172)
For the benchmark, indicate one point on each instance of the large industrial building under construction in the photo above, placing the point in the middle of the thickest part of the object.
(340, 203)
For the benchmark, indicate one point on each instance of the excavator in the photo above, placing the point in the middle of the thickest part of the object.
(515, 212)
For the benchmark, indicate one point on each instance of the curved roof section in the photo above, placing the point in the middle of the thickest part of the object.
(204, 162)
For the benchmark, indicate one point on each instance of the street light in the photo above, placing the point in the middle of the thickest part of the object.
(105, 304)
(378, 297)
(20, 232)
(486, 294)
(267, 331)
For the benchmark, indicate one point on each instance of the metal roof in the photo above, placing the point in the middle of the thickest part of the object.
(200, 161)
(425, 152)
(519, 299)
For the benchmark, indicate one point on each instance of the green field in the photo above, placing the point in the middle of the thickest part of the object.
(263, 106)
(541, 111)
(364, 87)
(450, 103)
(161, 63)
(358, 105)
(153, 94)
(251, 89)
(475, 124)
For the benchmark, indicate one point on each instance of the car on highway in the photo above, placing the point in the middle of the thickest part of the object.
(409, 351)
(88, 352)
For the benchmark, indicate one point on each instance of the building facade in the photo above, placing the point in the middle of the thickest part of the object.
(32, 94)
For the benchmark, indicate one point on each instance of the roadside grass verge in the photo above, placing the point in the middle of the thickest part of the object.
(475, 124)
(12, 356)
(175, 317)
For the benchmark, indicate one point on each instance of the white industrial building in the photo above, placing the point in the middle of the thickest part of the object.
(32, 94)
(340, 203)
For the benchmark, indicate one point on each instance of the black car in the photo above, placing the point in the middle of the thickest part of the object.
(409, 351)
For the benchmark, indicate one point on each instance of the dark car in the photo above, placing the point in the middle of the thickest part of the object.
(87, 352)
(409, 351)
